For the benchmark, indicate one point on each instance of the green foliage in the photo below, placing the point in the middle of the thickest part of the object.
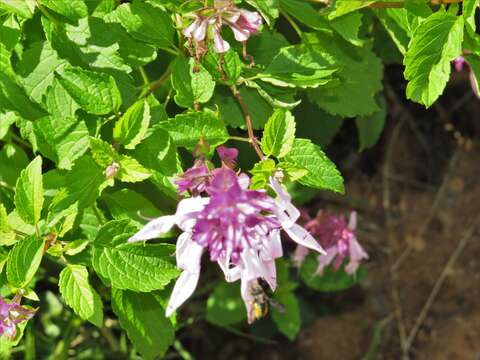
(225, 306)
(29, 192)
(24, 260)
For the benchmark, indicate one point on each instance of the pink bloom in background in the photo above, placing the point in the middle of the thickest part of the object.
(238, 227)
(242, 22)
(195, 179)
(12, 314)
(339, 240)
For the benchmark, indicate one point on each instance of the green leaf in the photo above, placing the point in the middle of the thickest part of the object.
(474, 63)
(279, 134)
(37, 69)
(102, 152)
(322, 172)
(305, 13)
(10, 32)
(343, 7)
(225, 305)
(187, 129)
(427, 62)
(134, 267)
(299, 66)
(24, 260)
(330, 280)
(288, 321)
(58, 102)
(268, 9)
(370, 128)
(146, 23)
(80, 295)
(96, 93)
(399, 24)
(71, 9)
(23, 8)
(131, 128)
(261, 172)
(142, 316)
(7, 235)
(13, 160)
(61, 139)
(131, 170)
(348, 27)
(356, 84)
(469, 8)
(128, 204)
(192, 82)
(13, 97)
(29, 192)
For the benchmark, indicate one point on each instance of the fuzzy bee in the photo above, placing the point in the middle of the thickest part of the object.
(261, 301)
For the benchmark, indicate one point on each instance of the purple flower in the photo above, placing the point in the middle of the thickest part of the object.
(459, 64)
(195, 179)
(12, 314)
(228, 156)
(339, 240)
(239, 227)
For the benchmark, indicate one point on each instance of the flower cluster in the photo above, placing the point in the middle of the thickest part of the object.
(208, 22)
(339, 240)
(12, 314)
(238, 227)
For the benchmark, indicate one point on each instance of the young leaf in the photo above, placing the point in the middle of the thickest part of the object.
(24, 260)
(80, 295)
(142, 316)
(322, 172)
(134, 267)
(192, 82)
(131, 170)
(29, 192)
(261, 172)
(435, 43)
(146, 23)
(279, 134)
(71, 9)
(131, 128)
(102, 152)
(96, 93)
(187, 129)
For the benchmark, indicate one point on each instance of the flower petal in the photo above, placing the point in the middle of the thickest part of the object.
(154, 228)
(183, 289)
(352, 221)
(187, 210)
(188, 253)
(325, 260)
(221, 46)
(303, 237)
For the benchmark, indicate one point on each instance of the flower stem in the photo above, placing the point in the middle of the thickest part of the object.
(239, 138)
(292, 23)
(156, 84)
(248, 120)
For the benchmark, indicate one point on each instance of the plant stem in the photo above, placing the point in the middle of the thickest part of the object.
(401, 4)
(19, 140)
(239, 138)
(146, 81)
(292, 23)
(248, 120)
(156, 84)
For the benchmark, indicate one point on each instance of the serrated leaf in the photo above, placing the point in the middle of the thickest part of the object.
(7, 235)
(131, 128)
(58, 102)
(322, 172)
(61, 139)
(192, 83)
(96, 93)
(400, 24)
(37, 69)
(188, 128)
(136, 267)
(131, 170)
(71, 9)
(80, 295)
(427, 62)
(225, 305)
(146, 22)
(23, 8)
(279, 134)
(261, 172)
(24, 260)
(356, 84)
(142, 317)
(102, 152)
(29, 192)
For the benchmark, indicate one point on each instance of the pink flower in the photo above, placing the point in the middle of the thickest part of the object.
(228, 156)
(459, 63)
(12, 314)
(338, 239)
(240, 229)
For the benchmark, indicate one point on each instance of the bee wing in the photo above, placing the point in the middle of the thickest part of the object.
(279, 306)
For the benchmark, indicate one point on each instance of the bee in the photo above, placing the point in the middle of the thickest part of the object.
(261, 301)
